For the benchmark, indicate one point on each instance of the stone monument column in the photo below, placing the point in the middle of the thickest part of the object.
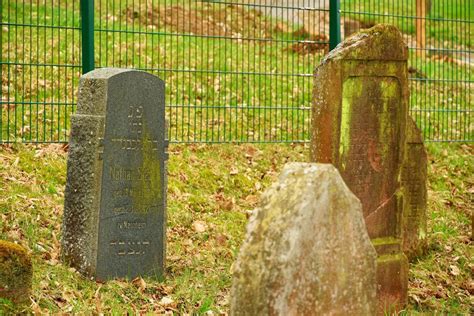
(115, 198)
(360, 106)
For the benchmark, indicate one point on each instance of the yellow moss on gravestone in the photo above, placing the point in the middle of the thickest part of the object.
(15, 272)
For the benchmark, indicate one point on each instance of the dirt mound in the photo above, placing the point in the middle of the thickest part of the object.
(314, 43)
(230, 20)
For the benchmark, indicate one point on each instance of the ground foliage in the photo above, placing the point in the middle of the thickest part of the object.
(212, 190)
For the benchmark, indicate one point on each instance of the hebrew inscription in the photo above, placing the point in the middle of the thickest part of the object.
(415, 193)
(359, 119)
(118, 189)
(368, 132)
(133, 195)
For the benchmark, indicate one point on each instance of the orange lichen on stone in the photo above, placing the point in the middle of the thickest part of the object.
(360, 111)
(15, 272)
(381, 42)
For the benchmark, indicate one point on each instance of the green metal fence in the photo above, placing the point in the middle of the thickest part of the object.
(236, 71)
(40, 65)
(440, 37)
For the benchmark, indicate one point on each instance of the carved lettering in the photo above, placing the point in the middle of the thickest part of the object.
(135, 120)
(118, 173)
(129, 248)
(126, 209)
(134, 144)
(131, 225)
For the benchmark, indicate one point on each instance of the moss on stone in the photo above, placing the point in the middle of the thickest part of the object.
(15, 272)
(148, 192)
(381, 42)
(369, 137)
(385, 241)
(398, 257)
(390, 90)
(349, 90)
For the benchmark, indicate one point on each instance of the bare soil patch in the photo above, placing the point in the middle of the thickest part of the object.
(207, 20)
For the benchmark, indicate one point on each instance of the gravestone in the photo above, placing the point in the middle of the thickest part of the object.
(16, 272)
(360, 107)
(414, 173)
(307, 251)
(115, 199)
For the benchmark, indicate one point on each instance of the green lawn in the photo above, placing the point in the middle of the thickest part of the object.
(447, 21)
(213, 188)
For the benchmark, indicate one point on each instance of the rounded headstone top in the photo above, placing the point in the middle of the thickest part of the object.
(381, 42)
(95, 86)
(107, 73)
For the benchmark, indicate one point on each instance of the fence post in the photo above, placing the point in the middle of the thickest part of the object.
(421, 27)
(334, 23)
(87, 30)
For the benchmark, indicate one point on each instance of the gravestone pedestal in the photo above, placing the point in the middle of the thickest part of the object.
(115, 199)
(360, 107)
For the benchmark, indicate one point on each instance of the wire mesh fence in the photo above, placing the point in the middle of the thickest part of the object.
(40, 67)
(236, 71)
(439, 34)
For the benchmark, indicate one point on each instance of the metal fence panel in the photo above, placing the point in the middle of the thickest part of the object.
(230, 67)
(236, 71)
(40, 66)
(439, 34)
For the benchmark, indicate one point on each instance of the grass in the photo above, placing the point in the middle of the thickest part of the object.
(219, 89)
(440, 15)
(211, 190)
(448, 264)
(215, 192)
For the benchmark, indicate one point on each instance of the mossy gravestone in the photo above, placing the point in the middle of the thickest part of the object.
(413, 180)
(115, 199)
(360, 108)
(16, 272)
(307, 251)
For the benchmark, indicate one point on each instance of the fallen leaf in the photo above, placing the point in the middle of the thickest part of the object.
(199, 226)
(251, 199)
(139, 283)
(454, 270)
(221, 239)
(165, 301)
(234, 171)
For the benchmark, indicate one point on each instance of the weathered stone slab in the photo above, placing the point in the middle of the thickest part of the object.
(115, 199)
(307, 251)
(16, 272)
(414, 173)
(360, 107)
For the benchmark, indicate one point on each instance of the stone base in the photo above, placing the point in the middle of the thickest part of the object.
(392, 276)
(16, 272)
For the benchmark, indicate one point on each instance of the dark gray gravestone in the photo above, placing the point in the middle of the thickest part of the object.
(115, 200)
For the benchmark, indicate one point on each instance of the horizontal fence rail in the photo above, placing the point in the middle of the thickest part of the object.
(235, 71)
